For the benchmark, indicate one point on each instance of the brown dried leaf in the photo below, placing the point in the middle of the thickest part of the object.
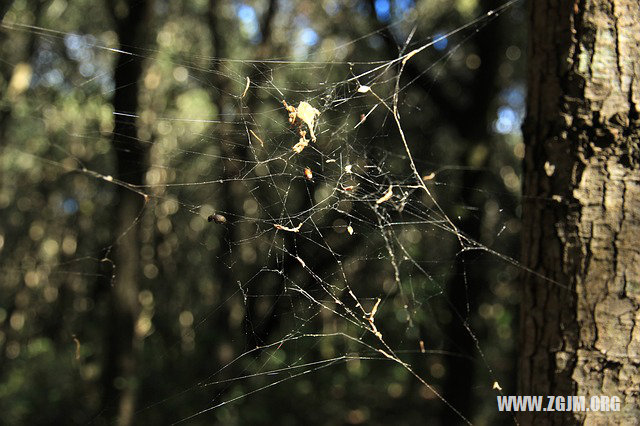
(308, 173)
(246, 87)
(387, 195)
(308, 114)
(286, 228)
(429, 176)
(303, 142)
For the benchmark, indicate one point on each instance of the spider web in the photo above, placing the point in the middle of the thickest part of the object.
(277, 242)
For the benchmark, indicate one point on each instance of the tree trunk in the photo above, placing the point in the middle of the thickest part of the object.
(468, 278)
(119, 374)
(580, 322)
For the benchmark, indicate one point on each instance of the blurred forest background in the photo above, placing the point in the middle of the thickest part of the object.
(125, 125)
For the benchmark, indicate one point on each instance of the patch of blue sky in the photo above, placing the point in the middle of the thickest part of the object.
(511, 113)
(514, 96)
(308, 37)
(440, 42)
(70, 206)
(53, 78)
(87, 69)
(79, 48)
(248, 21)
(383, 10)
(403, 6)
(508, 120)
(73, 42)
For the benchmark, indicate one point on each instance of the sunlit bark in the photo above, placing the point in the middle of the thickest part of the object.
(580, 324)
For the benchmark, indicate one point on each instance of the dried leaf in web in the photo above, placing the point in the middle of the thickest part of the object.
(308, 114)
(286, 228)
(308, 173)
(246, 87)
(217, 218)
(302, 143)
(429, 176)
(387, 195)
(77, 342)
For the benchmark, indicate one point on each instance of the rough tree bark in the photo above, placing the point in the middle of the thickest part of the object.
(119, 373)
(580, 316)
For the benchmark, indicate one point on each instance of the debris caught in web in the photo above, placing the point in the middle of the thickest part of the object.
(387, 195)
(246, 87)
(217, 218)
(370, 319)
(429, 176)
(303, 142)
(308, 173)
(257, 137)
(77, 342)
(286, 228)
(305, 115)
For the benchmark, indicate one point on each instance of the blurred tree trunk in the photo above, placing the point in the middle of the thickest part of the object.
(4, 8)
(119, 373)
(257, 329)
(11, 65)
(24, 59)
(470, 276)
(471, 120)
(580, 322)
